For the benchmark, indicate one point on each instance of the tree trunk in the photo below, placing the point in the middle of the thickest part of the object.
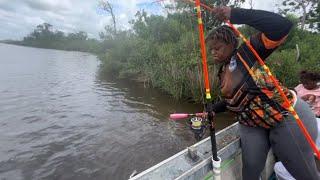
(114, 20)
(108, 8)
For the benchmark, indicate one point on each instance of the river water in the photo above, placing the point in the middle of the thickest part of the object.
(61, 119)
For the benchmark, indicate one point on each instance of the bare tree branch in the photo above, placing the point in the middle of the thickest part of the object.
(106, 6)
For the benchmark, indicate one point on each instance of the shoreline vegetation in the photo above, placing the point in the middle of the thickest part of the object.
(163, 52)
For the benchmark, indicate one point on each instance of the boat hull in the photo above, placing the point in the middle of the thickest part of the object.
(195, 161)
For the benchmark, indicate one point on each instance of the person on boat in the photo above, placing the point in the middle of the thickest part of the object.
(309, 90)
(264, 119)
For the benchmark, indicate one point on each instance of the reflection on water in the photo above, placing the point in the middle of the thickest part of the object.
(62, 120)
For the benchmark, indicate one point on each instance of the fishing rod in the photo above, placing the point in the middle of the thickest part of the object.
(273, 79)
(216, 161)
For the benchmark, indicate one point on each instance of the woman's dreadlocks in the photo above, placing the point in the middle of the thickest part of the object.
(223, 33)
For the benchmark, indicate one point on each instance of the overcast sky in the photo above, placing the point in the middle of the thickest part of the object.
(19, 17)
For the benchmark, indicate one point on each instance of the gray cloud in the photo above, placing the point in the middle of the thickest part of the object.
(47, 5)
(19, 18)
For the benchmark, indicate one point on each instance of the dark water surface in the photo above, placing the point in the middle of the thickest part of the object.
(60, 119)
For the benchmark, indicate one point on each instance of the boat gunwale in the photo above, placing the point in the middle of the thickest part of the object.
(185, 151)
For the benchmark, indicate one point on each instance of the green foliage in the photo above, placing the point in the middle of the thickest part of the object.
(161, 52)
(164, 53)
(284, 63)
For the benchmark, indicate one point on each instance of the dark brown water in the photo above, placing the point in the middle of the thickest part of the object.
(60, 119)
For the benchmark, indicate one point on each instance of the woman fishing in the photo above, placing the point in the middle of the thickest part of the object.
(248, 92)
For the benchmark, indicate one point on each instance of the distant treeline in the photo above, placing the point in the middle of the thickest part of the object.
(44, 37)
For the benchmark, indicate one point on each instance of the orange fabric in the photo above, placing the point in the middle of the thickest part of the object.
(260, 112)
(270, 44)
(278, 116)
(245, 64)
(267, 92)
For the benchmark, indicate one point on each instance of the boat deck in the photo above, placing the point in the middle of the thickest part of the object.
(195, 161)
